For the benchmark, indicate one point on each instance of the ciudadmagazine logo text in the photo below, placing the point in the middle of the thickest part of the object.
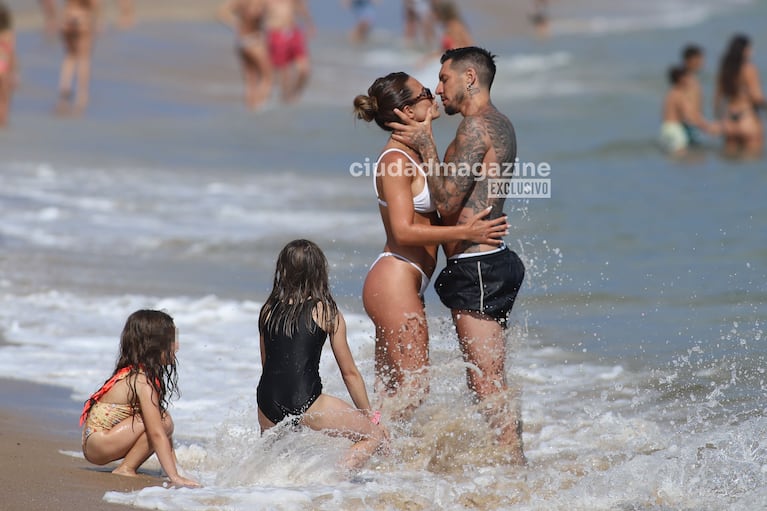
(518, 180)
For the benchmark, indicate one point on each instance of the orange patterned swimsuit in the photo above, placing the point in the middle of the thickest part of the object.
(98, 416)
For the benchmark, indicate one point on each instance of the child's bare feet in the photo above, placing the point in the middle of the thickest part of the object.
(122, 470)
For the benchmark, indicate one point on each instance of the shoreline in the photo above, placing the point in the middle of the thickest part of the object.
(37, 423)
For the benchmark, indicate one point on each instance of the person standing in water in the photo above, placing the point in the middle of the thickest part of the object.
(287, 21)
(480, 281)
(295, 320)
(78, 29)
(247, 19)
(680, 114)
(739, 99)
(396, 281)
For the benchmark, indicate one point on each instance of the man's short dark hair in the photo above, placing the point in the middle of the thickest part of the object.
(676, 73)
(691, 51)
(480, 59)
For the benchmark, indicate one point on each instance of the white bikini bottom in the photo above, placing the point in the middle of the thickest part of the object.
(424, 277)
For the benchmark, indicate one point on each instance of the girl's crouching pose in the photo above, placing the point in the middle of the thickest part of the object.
(127, 418)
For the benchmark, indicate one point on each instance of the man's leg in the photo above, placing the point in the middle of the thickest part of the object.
(483, 344)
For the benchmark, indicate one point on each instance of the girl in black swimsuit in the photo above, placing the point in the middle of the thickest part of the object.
(294, 322)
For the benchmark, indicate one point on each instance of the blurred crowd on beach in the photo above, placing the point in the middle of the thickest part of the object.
(272, 39)
(737, 104)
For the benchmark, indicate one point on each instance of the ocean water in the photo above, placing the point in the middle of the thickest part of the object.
(638, 337)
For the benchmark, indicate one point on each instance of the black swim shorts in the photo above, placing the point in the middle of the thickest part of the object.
(486, 283)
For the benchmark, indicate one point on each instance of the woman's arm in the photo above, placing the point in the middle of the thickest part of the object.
(225, 13)
(718, 101)
(396, 190)
(49, 15)
(753, 85)
(155, 431)
(349, 372)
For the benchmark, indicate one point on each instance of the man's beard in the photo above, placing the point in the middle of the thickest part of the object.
(453, 109)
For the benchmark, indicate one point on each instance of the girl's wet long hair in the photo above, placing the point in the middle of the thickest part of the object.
(301, 278)
(147, 345)
(732, 63)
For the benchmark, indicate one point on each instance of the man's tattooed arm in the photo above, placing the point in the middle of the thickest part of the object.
(453, 182)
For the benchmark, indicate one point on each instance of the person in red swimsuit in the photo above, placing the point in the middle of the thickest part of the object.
(287, 44)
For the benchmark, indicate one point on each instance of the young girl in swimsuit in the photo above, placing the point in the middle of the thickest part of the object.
(247, 19)
(127, 417)
(394, 287)
(7, 62)
(77, 32)
(294, 322)
(738, 98)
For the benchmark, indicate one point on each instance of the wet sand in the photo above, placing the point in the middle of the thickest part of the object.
(37, 422)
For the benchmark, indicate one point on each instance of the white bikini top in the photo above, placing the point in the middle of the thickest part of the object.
(422, 202)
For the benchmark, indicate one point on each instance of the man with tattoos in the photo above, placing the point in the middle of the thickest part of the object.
(480, 282)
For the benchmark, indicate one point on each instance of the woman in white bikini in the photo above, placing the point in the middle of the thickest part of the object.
(395, 284)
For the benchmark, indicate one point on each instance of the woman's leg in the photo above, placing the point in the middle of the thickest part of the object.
(83, 58)
(5, 100)
(66, 77)
(257, 73)
(753, 143)
(338, 418)
(391, 299)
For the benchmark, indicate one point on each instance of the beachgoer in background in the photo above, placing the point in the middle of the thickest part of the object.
(8, 64)
(418, 19)
(246, 17)
(287, 44)
(364, 16)
(127, 417)
(692, 62)
(739, 99)
(540, 18)
(455, 33)
(127, 14)
(49, 16)
(297, 317)
(481, 280)
(395, 284)
(78, 30)
(679, 111)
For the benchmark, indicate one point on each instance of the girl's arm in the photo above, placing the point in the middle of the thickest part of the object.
(349, 372)
(155, 432)
(263, 350)
(396, 191)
